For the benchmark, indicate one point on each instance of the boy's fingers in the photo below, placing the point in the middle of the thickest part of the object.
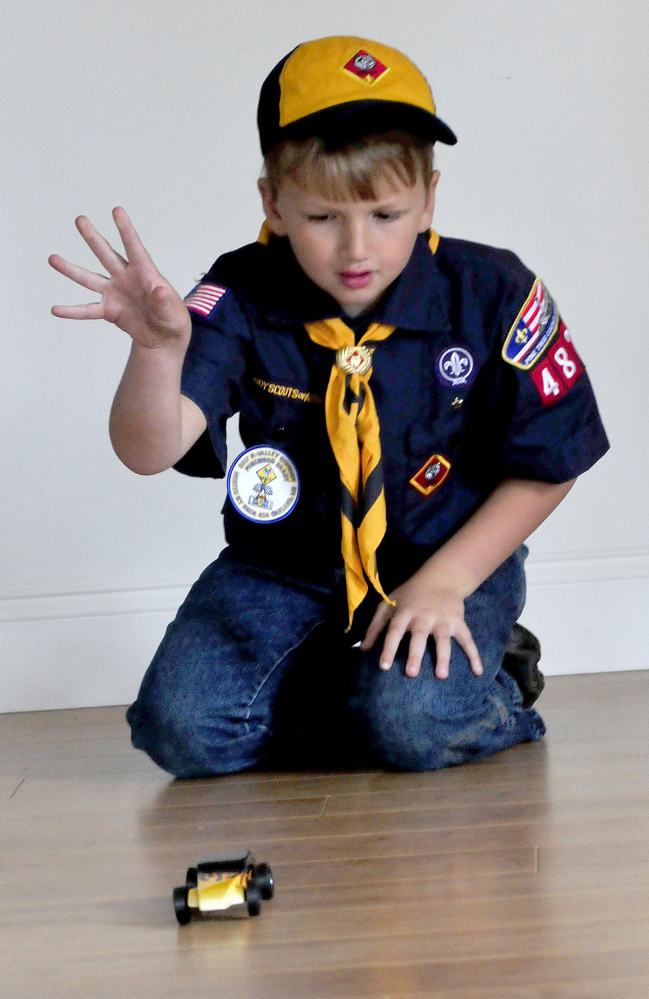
(133, 245)
(443, 652)
(106, 255)
(394, 634)
(465, 640)
(442, 656)
(94, 310)
(400, 624)
(377, 624)
(80, 275)
(416, 650)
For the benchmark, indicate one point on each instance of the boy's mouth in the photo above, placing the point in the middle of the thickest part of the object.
(355, 279)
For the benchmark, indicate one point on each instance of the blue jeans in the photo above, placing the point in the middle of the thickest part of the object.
(256, 670)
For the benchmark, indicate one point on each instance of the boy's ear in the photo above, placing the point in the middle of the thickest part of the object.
(271, 212)
(427, 215)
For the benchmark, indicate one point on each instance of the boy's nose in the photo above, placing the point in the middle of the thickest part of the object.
(355, 241)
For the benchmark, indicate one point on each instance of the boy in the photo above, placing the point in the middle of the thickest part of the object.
(412, 409)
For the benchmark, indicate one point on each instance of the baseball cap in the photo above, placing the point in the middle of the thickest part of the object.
(341, 87)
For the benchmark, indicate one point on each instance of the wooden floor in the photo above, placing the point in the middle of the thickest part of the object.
(522, 877)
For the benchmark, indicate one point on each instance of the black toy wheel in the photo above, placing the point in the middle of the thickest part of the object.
(253, 898)
(264, 878)
(191, 879)
(181, 908)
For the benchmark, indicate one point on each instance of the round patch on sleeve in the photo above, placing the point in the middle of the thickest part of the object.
(455, 367)
(263, 484)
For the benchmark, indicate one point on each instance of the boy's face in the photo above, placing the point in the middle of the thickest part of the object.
(352, 249)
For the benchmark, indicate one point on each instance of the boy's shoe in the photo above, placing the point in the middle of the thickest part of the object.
(521, 659)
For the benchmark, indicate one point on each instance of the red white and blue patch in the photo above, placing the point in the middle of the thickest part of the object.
(205, 297)
(533, 329)
(557, 372)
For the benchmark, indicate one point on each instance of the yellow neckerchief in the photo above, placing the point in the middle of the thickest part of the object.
(353, 429)
(354, 435)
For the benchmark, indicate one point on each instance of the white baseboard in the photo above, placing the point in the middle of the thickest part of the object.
(81, 649)
(590, 611)
(90, 648)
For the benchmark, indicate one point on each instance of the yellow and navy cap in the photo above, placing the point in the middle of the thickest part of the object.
(342, 87)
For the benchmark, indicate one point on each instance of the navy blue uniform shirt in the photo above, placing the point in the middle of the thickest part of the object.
(479, 382)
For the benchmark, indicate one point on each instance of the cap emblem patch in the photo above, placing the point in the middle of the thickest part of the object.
(430, 477)
(368, 69)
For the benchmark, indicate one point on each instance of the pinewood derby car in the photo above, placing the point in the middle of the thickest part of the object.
(222, 881)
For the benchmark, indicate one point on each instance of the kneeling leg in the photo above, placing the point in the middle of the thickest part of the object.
(206, 702)
(424, 723)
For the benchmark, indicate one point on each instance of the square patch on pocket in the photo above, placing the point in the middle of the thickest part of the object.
(431, 475)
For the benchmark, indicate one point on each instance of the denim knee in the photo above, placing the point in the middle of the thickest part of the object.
(205, 704)
(401, 728)
(187, 743)
(423, 723)
(425, 731)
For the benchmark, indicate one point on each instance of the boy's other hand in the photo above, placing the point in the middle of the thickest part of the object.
(134, 295)
(423, 610)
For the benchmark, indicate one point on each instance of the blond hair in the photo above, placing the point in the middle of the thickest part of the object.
(352, 170)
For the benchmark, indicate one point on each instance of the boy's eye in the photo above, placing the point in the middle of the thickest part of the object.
(387, 216)
(318, 218)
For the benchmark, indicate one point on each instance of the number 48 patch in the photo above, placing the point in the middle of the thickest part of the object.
(560, 368)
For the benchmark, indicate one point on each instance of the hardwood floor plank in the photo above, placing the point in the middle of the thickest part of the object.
(20, 726)
(318, 950)
(98, 766)
(317, 850)
(363, 917)
(513, 775)
(27, 887)
(268, 823)
(44, 792)
(31, 881)
(387, 965)
(570, 782)
(626, 988)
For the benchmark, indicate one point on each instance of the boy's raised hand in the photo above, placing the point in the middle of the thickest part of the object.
(424, 610)
(134, 295)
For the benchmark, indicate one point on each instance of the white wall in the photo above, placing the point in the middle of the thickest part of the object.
(152, 105)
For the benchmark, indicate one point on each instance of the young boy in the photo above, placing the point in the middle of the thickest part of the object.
(412, 408)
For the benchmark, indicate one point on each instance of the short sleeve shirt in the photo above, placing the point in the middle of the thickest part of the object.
(479, 382)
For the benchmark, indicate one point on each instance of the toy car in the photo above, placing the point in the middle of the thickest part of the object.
(220, 881)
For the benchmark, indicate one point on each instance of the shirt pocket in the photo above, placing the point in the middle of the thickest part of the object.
(429, 460)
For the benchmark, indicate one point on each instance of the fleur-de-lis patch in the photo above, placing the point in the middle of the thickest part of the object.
(455, 366)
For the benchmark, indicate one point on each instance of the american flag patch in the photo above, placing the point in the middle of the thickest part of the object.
(205, 297)
(534, 328)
